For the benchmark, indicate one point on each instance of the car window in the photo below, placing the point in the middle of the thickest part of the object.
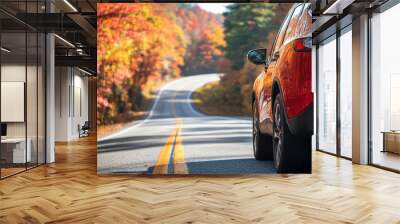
(305, 25)
(294, 21)
(281, 33)
(307, 9)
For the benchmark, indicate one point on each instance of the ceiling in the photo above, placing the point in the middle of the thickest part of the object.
(73, 21)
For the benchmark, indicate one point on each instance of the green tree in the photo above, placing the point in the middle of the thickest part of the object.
(248, 26)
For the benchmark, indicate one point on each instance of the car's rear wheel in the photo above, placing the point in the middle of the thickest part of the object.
(292, 154)
(262, 144)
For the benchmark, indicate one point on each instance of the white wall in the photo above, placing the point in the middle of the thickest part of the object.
(62, 81)
(71, 102)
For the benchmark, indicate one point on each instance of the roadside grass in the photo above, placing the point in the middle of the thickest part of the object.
(219, 100)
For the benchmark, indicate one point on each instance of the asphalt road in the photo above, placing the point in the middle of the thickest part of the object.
(177, 139)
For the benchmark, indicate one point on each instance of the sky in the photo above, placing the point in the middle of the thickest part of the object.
(214, 7)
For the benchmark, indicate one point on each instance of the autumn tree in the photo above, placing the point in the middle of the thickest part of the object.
(246, 27)
(135, 42)
(250, 26)
(205, 34)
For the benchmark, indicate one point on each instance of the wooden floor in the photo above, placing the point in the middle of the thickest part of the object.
(69, 191)
(387, 159)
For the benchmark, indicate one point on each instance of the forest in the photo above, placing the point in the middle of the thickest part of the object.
(143, 45)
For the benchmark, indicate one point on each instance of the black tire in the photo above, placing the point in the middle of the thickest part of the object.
(292, 154)
(262, 144)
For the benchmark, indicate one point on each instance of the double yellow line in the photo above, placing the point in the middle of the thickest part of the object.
(172, 148)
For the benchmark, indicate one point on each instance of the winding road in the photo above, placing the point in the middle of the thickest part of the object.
(177, 139)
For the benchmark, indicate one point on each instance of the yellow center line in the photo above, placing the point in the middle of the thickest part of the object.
(161, 166)
(180, 166)
(173, 144)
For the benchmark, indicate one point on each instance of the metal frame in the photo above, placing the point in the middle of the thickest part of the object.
(338, 98)
(369, 104)
(316, 97)
(45, 91)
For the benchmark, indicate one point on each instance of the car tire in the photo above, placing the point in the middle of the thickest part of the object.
(292, 154)
(262, 144)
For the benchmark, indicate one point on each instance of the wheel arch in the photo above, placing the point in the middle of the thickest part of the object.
(276, 89)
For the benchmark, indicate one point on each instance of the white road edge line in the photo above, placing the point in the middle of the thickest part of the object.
(218, 77)
(141, 121)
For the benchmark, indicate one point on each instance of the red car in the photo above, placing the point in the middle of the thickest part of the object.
(282, 96)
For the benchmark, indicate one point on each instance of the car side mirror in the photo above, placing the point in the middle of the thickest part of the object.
(258, 56)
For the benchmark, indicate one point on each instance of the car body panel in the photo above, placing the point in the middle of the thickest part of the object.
(289, 73)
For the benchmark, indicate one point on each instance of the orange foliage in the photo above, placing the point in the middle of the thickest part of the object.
(135, 42)
(206, 40)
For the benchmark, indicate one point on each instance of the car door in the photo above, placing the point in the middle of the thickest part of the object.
(266, 93)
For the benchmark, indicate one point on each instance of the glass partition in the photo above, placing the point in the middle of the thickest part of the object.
(385, 89)
(22, 88)
(346, 92)
(41, 110)
(14, 144)
(326, 95)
